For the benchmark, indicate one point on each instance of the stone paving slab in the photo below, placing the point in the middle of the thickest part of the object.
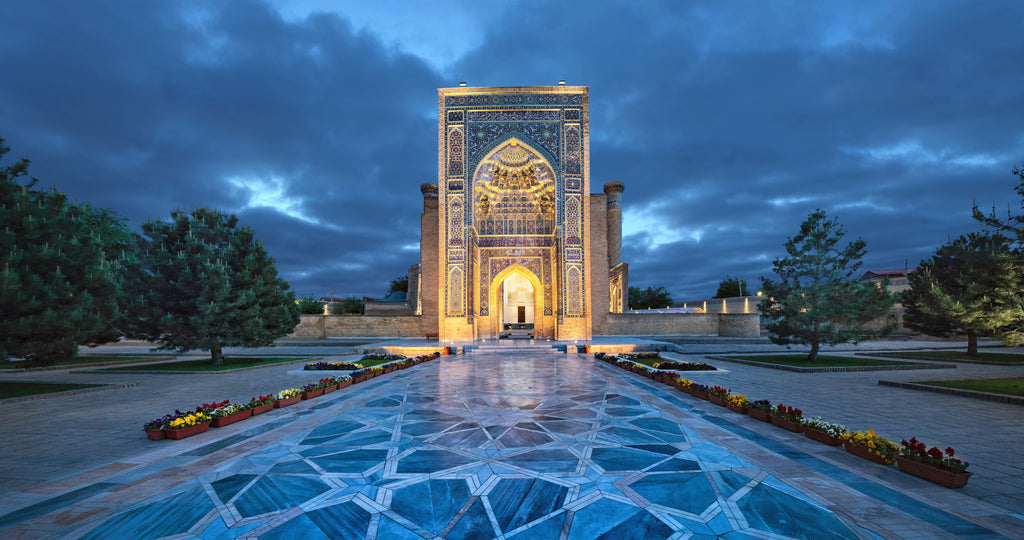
(109, 448)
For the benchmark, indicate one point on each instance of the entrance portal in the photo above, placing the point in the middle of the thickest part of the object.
(517, 306)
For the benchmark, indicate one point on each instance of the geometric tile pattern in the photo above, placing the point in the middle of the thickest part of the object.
(495, 447)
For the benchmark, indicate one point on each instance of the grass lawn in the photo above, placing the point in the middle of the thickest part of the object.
(205, 365)
(649, 362)
(1010, 386)
(17, 389)
(961, 355)
(800, 360)
(79, 360)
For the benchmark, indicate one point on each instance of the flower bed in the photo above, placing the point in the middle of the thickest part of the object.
(824, 432)
(869, 445)
(332, 366)
(934, 465)
(788, 418)
(684, 366)
(229, 414)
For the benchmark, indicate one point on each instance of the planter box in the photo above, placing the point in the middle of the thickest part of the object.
(358, 379)
(260, 409)
(864, 452)
(940, 476)
(312, 394)
(178, 434)
(155, 434)
(700, 395)
(762, 416)
(822, 437)
(286, 401)
(789, 425)
(737, 408)
(331, 388)
(344, 384)
(231, 418)
(721, 402)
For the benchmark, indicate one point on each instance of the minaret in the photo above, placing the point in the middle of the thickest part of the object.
(613, 192)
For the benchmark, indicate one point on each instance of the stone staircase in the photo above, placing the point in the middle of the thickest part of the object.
(507, 346)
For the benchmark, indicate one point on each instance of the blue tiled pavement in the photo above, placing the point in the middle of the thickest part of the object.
(485, 447)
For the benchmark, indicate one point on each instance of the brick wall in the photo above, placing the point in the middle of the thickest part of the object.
(325, 326)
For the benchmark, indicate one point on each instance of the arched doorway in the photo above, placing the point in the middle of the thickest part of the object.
(517, 316)
(517, 296)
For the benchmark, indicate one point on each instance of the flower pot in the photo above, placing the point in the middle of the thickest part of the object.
(737, 408)
(312, 394)
(359, 379)
(260, 409)
(344, 384)
(721, 402)
(232, 418)
(586, 349)
(943, 477)
(177, 434)
(760, 415)
(331, 388)
(865, 452)
(156, 434)
(700, 395)
(278, 403)
(789, 425)
(822, 437)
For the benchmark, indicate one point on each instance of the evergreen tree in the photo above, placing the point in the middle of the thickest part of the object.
(819, 299)
(58, 282)
(309, 305)
(649, 298)
(1013, 225)
(202, 282)
(731, 287)
(970, 286)
(399, 284)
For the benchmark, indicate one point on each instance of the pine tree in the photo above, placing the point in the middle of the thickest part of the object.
(731, 287)
(819, 298)
(58, 279)
(970, 286)
(199, 281)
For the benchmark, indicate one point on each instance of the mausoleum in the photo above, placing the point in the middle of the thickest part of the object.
(512, 237)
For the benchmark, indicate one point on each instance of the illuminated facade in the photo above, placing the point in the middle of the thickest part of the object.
(511, 233)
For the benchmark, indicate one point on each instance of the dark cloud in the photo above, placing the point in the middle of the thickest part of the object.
(728, 121)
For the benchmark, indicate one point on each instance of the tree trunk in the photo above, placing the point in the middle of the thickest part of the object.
(972, 344)
(217, 355)
(814, 343)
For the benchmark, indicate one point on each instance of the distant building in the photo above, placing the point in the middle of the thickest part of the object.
(898, 279)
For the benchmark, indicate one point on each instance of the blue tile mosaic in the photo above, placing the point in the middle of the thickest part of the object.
(518, 501)
(473, 447)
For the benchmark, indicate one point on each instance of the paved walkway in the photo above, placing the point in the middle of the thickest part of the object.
(545, 445)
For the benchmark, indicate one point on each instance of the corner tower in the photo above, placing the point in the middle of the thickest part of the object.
(513, 211)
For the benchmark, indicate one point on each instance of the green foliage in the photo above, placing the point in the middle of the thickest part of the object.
(309, 305)
(350, 304)
(649, 298)
(58, 277)
(399, 284)
(970, 285)
(199, 281)
(818, 298)
(731, 287)
(1013, 225)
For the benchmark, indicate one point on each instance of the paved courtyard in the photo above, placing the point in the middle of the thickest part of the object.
(528, 446)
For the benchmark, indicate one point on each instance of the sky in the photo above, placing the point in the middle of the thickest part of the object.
(729, 122)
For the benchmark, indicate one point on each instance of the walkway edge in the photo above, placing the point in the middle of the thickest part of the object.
(988, 396)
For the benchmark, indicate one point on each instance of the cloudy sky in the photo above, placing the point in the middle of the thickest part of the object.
(729, 122)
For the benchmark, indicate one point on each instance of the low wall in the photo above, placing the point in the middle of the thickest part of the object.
(720, 324)
(325, 326)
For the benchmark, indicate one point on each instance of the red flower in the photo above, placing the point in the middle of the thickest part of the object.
(950, 451)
